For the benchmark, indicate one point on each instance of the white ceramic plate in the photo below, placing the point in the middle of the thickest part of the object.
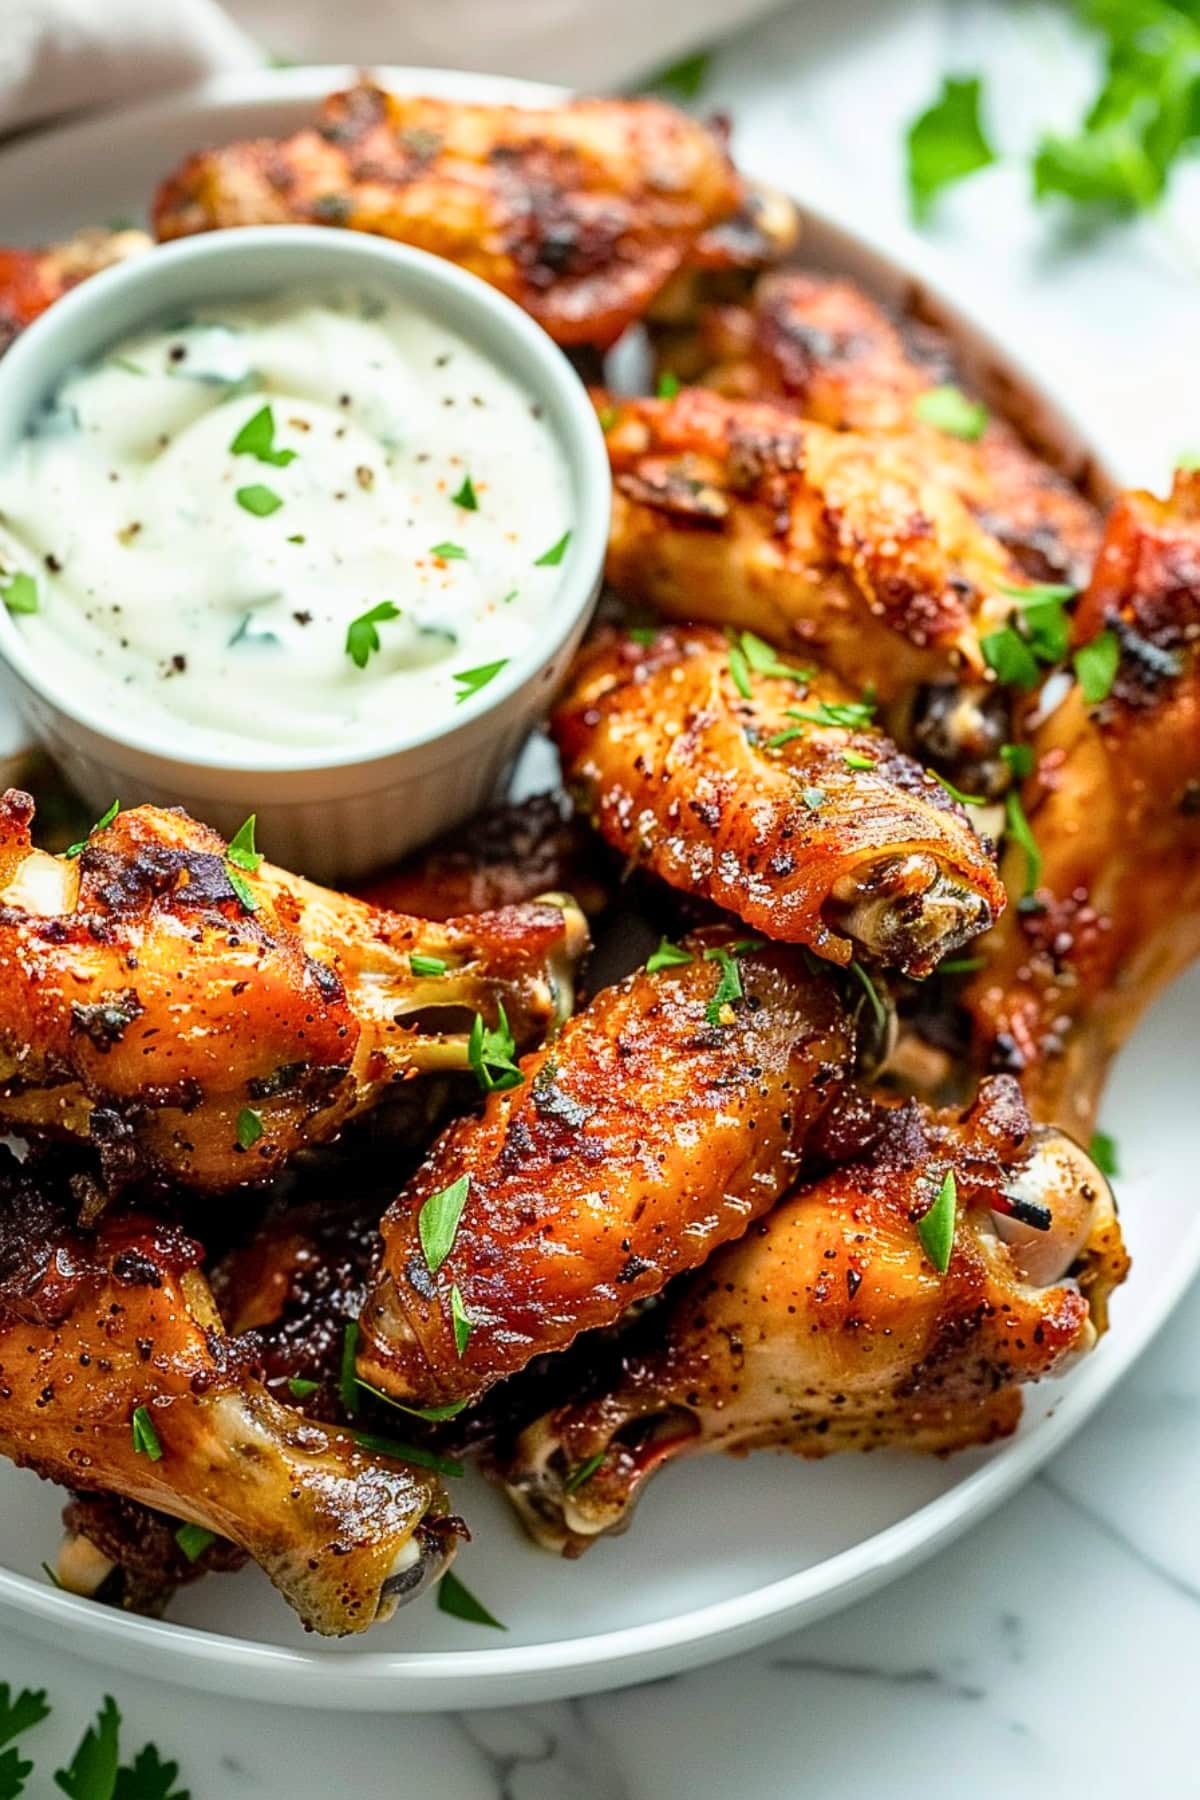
(724, 1554)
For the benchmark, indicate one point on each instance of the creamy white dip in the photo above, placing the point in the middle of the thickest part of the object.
(311, 522)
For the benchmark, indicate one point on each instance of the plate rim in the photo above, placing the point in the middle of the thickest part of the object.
(440, 1679)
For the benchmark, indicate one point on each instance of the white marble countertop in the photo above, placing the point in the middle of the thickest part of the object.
(1054, 1649)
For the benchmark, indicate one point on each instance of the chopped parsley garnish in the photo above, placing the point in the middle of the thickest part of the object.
(948, 409)
(101, 824)
(1019, 826)
(1034, 593)
(460, 1319)
(1047, 627)
(466, 497)
(145, 1438)
(1096, 665)
(241, 849)
(1019, 758)
(583, 1473)
(194, 1540)
(872, 993)
(729, 987)
(427, 965)
(257, 499)
(1103, 1152)
(249, 1127)
(683, 80)
(491, 1052)
(550, 559)
(257, 439)
(668, 385)
(848, 715)
(946, 143)
(956, 793)
(434, 1414)
(1013, 662)
(471, 680)
(763, 660)
(242, 856)
(92, 1774)
(854, 759)
(301, 1387)
(449, 552)
(739, 669)
(437, 1222)
(362, 635)
(935, 1228)
(784, 737)
(642, 634)
(1188, 460)
(961, 965)
(22, 1714)
(21, 593)
(416, 1454)
(667, 956)
(347, 1379)
(460, 1603)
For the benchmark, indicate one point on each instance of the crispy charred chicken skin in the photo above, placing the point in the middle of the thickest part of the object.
(1114, 805)
(581, 212)
(203, 1021)
(665, 1117)
(843, 543)
(116, 1376)
(31, 280)
(502, 857)
(772, 795)
(825, 348)
(828, 1328)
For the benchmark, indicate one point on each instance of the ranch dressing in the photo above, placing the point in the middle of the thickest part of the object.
(311, 523)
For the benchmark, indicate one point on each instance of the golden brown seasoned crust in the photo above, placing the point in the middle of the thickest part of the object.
(748, 800)
(31, 280)
(1114, 803)
(661, 1122)
(95, 1328)
(502, 857)
(827, 1327)
(579, 212)
(822, 346)
(144, 1005)
(739, 513)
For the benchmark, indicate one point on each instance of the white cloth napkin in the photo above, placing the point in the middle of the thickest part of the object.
(58, 56)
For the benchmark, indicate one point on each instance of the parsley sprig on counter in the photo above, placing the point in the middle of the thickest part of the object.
(95, 1771)
(1143, 119)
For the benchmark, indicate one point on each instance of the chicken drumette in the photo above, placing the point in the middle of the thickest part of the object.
(198, 1017)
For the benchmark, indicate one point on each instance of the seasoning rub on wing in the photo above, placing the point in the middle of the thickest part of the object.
(759, 784)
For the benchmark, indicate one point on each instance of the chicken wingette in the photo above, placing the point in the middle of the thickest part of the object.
(841, 543)
(197, 1014)
(765, 787)
(1108, 909)
(116, 1376)
(829, 1327)
(822, 346)
(580, 212)
(667, 1115)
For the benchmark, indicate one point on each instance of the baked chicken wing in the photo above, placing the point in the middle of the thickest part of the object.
(772, 794)
(579, 212)
(116, 1376)
(828, 1328)
(843, 543)
(31, 280)
(822, 346)
(665, 1117)
(1113, 802)
(201, 1018)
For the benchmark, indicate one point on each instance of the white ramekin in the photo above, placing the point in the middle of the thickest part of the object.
(331, 814)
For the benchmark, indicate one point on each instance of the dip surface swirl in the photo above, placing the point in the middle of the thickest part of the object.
(319, 521)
